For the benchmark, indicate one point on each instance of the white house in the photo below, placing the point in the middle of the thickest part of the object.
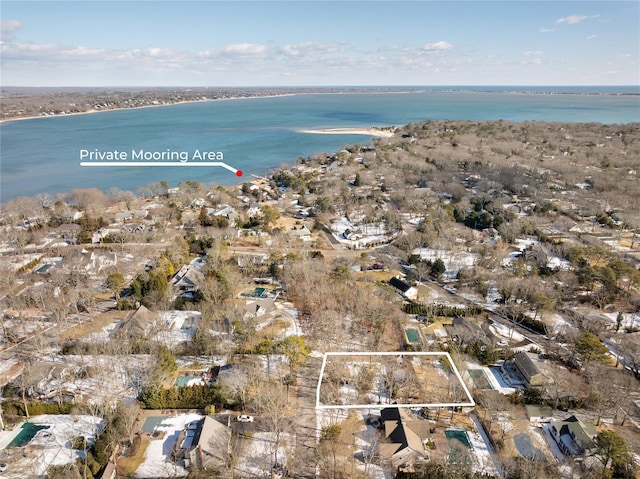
(408, 291)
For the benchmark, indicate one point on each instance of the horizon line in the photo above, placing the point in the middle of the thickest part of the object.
(390, 85)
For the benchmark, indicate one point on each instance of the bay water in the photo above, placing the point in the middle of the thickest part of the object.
(256, 135)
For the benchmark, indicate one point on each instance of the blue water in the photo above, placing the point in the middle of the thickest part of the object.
(182, 381)
(259, 134)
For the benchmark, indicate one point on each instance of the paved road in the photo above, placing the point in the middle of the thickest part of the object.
(305, 425)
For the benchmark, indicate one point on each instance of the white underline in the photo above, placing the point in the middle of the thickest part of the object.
(157, 163)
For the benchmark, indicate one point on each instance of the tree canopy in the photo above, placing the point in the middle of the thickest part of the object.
(590, 348)
(611, 448)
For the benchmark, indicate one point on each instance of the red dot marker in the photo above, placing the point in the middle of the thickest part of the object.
(239, 173)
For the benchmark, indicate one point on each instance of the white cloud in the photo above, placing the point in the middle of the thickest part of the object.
(311, 48)
(437, 46)
(398, 48)
(55, 56)
(245, 49)
(28, 51)
(547, 30)
(574, 19)
(8, 28)
(83, 52)
(591, 37)
(530, 53)
(160, 52)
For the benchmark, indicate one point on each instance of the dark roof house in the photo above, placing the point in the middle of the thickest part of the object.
(404, 445)
(404, 288)
(574, 437)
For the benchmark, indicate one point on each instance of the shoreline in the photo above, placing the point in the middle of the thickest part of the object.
(372, 131)
(184, 102)
(336, 91)
(89, 112)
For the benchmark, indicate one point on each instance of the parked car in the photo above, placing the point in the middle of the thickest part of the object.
(245, 418)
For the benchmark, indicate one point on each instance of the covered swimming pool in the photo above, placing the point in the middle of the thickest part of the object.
(479, 378)
(459, 435)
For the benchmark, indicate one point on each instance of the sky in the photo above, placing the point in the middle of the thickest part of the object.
(311, 43)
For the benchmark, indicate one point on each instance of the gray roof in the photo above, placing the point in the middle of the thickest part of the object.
(140, 322)
(211, 442)
(188, 278)
(526, 362)
(575, 433)
(534, 410)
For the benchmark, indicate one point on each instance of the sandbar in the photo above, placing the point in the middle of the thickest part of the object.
(380, 132)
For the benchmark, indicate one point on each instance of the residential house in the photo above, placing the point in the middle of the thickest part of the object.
(68, 232)
(101, 233)
(404, 445)
(251, 260)
(126, 216)
(529, 366)
(408, 291)
(95, 262)
(135, 228)
(225, 211)
(261, 310)
(539, 414)
(139, 323)
(47, 381)
(302, 233)
(574, 437)
(210, 445)
(71, 215)
(254, 211)
(187, 280)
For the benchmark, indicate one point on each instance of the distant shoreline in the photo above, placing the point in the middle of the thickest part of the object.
(88, 112)
(515, 90)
